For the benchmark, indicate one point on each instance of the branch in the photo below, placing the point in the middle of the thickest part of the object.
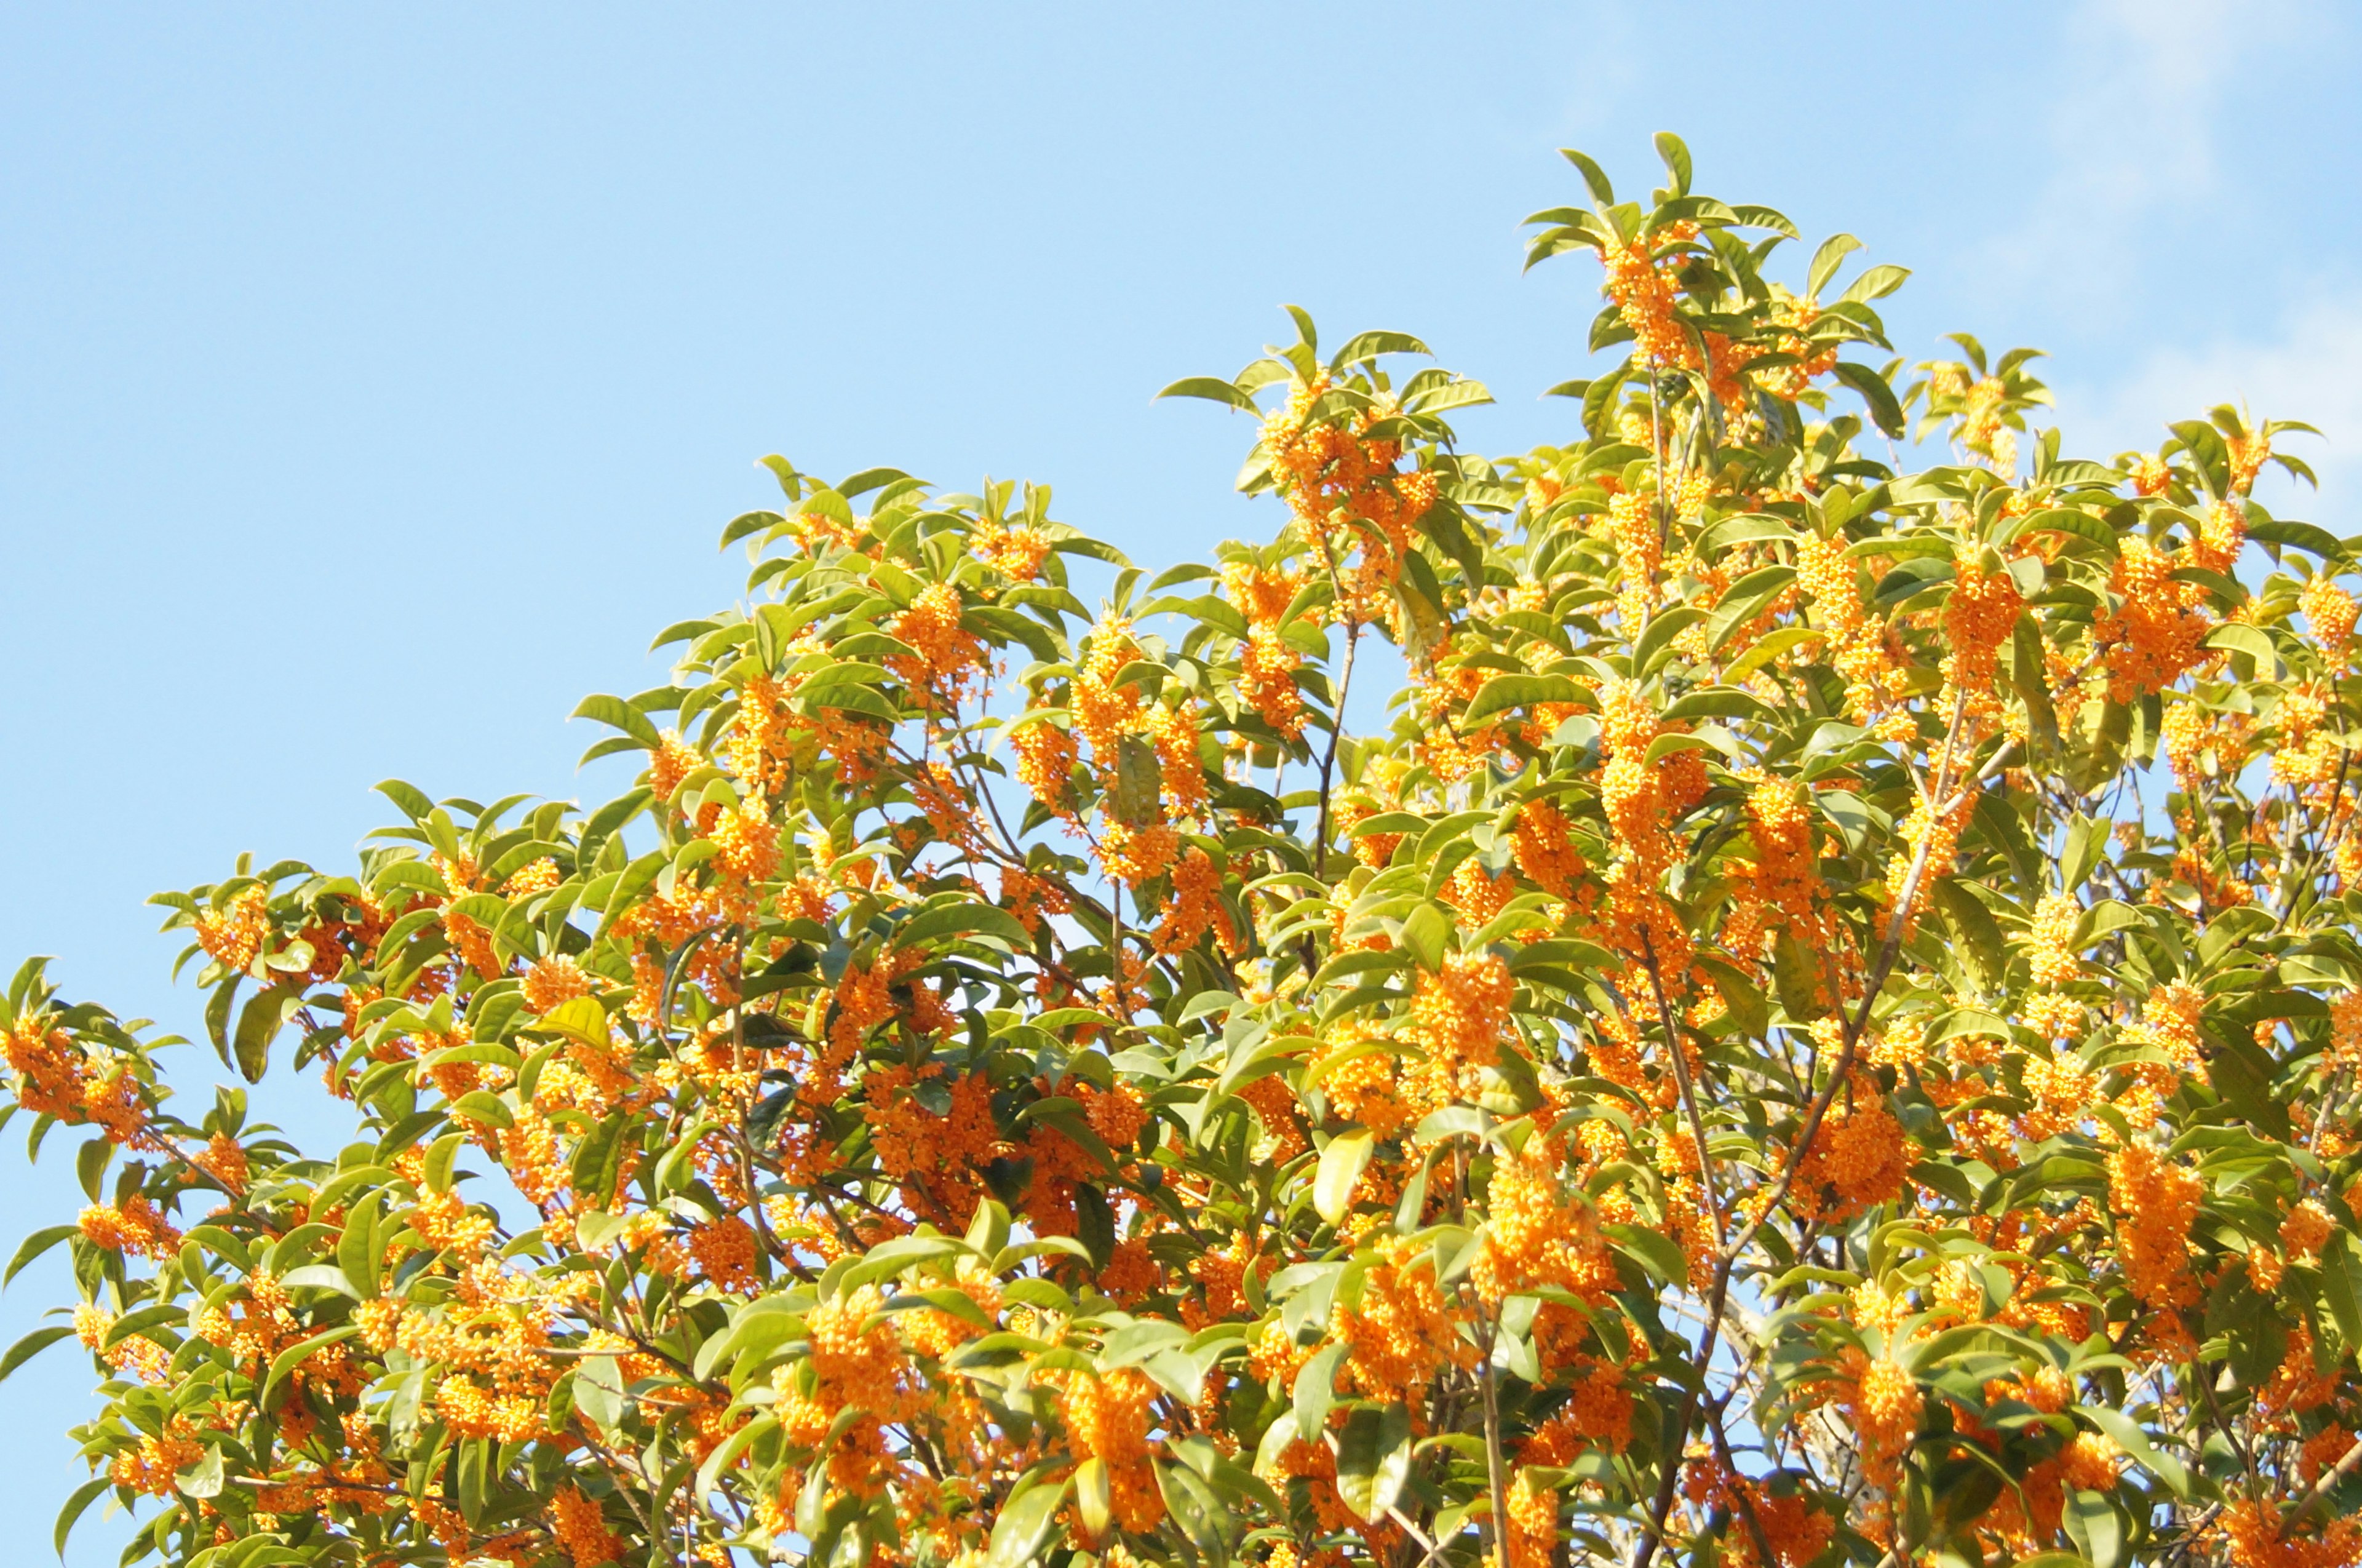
(2347, 1463)
(1688, 1091)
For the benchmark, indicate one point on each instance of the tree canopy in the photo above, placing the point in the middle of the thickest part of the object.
(1816, 1023)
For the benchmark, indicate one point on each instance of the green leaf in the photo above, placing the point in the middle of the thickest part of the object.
(1315, 1390)
(1094, 1495)
(1462, 393)
(1364, 347)
(1021, 1536)
(1976, 934)
(1797, 976)
(1373, 1455)
(2304, 536)
(1593, 176)
(358, 1253)
(2128, 1435)
(1747, 599)
(295, 1355)
(962, 920)
(2086, 838)
(1213, 389)
(1885, 409)
(1656, 640)
(86, 1493)
(2341, 1286)
(1659, 1254)
(266, 1014)
(1875, 284)
(1742, 997)
(1095, 1224)
(481, 1105)
(1341, 1165)
(34, 1245)
(1720, 702)
(1677, 161)
(1770, 646)
(31, 1345)
(597, 1160)
(616, 713)
(203, 1479)
(2092, 1522)
(709, 1473)
(576, 1018)
(599, 1391)
(1827, 261)
(1425, 932)
(1746, 528)
(2237, 637)
(1504, 694)
(1198, 1511)
(2065, 520)
(409, 797)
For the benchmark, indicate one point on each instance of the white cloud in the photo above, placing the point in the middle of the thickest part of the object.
(2135, 93)
(2305, 370)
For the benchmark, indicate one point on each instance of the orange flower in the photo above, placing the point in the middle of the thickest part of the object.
(234, 932)
(554, 981)
(2157, 1202)
(1462, 1011)
(580, 1527)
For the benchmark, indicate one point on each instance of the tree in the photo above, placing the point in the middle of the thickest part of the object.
(1823, 1028)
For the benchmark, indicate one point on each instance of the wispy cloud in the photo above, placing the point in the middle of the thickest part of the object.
(2138, 139)
(2305, 371)
(2135, 97)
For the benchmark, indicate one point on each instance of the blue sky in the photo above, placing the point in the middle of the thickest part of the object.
(374, 380)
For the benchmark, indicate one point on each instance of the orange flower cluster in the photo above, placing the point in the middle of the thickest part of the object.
(1885, 1407)
(946, 661)
(1796, 1532)
(2154, 630)
(1857, 640)
(233, 935)
(2051, 951)
(136, 1355)
(673, 761)
(1545, 853)
(1195, 907)
(2308, 753)
(580, 1526)
(1015, 550)
(1046, 763)
(1641, 798)
(2333, 611)
(1780, 889)
(1534, 1237)
(1941, 838)
(1106, 1417)
(151, 1467)
(1638, 536)
(1533, 1522)
(1858, 1155)
(1979, 616)
(554, 981)
(2157, 1202)
(57, 1077)
(855, 1365)
(1462, 1012)
(1269, 662)
(1346, 495)
(1640, 280)
(2252, 1533)
(136, 1226)
(1400, 1334)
